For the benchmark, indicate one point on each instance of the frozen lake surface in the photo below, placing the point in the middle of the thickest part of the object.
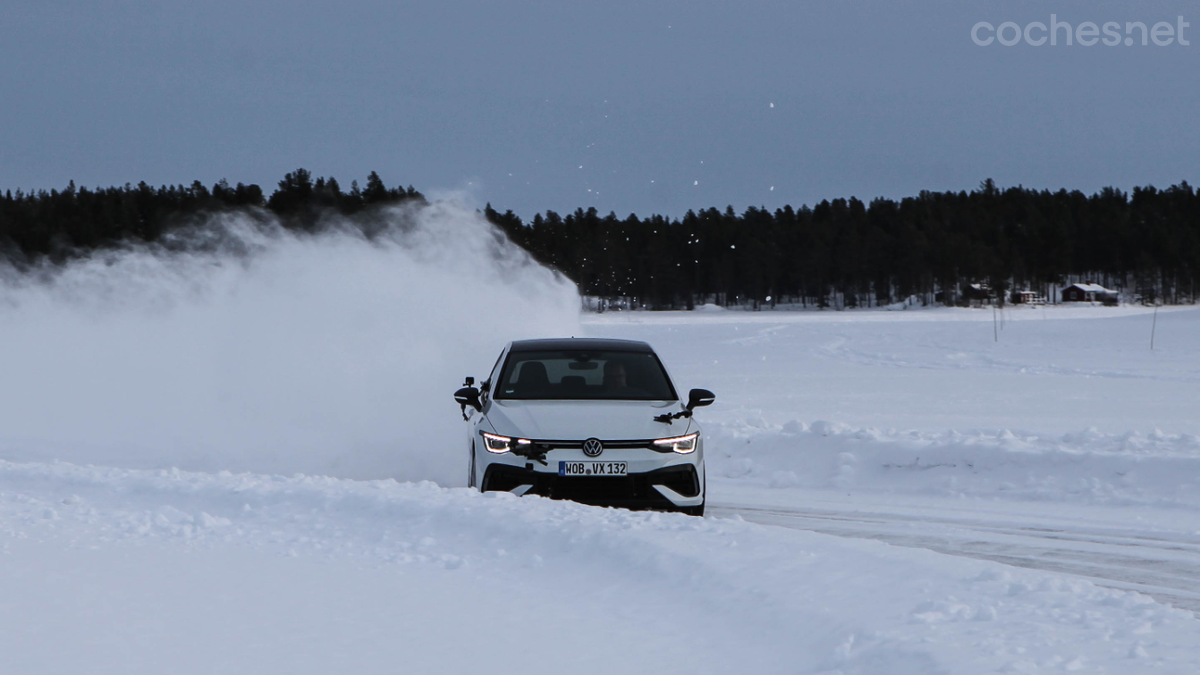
(1066, 445)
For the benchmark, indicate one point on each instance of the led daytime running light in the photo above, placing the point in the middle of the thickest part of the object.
(682, 444)
(495, 443)
(498, 444)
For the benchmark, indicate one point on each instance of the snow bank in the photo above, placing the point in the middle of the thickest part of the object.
(305, 574)
(241, 346)
(1155, 469)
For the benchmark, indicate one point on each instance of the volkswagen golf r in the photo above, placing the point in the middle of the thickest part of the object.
(594, 421)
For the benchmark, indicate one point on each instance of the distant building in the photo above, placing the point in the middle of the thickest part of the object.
(979, 292)
(1088, 293)
(1027, 298)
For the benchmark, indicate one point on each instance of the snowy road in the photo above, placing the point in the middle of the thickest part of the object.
(1163, 563)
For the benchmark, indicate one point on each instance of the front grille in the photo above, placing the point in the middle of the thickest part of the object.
(633, 491)
(576, 445)
(647, 444)
(591, 489)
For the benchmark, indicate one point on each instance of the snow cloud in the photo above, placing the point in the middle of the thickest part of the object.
(241, 346)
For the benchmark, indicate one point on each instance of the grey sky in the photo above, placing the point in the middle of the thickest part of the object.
(666, 106)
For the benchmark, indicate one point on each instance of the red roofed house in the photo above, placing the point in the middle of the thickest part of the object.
(1088, 293)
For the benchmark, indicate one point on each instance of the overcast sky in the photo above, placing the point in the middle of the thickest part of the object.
(643, 106)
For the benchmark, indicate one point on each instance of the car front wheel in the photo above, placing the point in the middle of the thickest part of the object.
(471, 466)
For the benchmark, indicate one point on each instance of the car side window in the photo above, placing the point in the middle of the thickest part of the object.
(493, 377)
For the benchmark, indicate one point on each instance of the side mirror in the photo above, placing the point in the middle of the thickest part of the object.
(468, 396)
(698, 398)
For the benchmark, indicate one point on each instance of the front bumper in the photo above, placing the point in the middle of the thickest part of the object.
(668, 488)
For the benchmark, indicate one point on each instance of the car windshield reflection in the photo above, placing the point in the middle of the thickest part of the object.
(584, 375)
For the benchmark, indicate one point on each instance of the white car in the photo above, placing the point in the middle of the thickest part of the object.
(589, 420)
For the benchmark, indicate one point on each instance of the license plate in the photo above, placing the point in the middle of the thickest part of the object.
(592, 469)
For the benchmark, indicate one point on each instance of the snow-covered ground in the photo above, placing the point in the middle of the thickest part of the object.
(195, 484)
(1065, 445)
(113, 570)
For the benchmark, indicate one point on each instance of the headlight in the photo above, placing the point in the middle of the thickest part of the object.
(501, 444)
(496, 444)
(682, 444)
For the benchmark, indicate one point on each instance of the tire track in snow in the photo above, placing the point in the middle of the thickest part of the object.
(1166, 568)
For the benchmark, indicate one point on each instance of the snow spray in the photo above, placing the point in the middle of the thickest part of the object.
(239, 345)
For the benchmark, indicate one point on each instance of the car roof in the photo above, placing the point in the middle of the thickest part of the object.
(586, 344)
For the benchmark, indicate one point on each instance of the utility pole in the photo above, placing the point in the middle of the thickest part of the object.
(1153, 325)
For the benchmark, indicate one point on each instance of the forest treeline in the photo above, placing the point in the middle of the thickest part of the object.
(847, 253)
(62, 224)
(840, 253)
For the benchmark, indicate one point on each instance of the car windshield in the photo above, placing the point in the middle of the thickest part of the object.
(577, 374)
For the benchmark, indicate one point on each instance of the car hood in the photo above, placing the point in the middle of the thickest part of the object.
(579, 420)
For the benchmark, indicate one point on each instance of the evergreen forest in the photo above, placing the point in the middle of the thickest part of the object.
(948, 247)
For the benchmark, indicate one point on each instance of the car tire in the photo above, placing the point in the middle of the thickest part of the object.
(471, 467)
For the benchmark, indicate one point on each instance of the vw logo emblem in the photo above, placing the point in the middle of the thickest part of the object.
(592, 447)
